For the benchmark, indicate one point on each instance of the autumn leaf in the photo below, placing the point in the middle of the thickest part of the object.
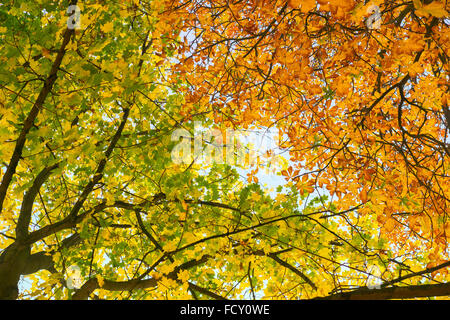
(100, 280)
(436, 9)
(363, 195)
(90, 120)
(107, 27)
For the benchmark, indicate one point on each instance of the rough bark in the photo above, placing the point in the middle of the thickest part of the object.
(407, 292)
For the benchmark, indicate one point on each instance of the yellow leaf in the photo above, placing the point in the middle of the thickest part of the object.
(255, 197)
(109, 199)
(390, 225)
(414, 70)
(107, 27)
(363, 195)
(165, 269)
(306, 5)
(170, 246)
(184, 205)
(183, 275)
(100, 280)
(417, 4)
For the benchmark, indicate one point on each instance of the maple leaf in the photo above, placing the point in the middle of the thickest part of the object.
(100, 280)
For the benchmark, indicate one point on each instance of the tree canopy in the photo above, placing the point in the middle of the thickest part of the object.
(93, 205)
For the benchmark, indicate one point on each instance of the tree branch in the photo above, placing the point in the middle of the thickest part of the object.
(293, 269)
(29, 121)
(205, 291)
(92, 284)
(415, 274)
(101, 166)
(44, 260)
(407, 292)
(28, 201)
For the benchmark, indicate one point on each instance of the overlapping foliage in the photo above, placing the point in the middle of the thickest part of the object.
(87, 175)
